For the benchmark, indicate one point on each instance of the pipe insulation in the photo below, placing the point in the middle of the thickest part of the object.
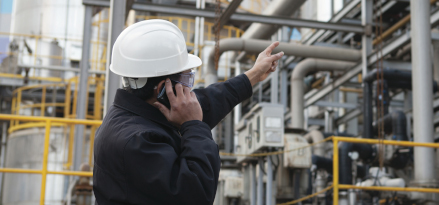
(394, 123)
(313, 137)
(293, 49)
(365, 152)
(323, 163)
(276, 8)
(297, 87)
(394, 79)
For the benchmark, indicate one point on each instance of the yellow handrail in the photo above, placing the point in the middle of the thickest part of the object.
(49, 121)
(335, 181)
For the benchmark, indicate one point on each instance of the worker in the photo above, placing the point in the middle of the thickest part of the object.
(147, 153)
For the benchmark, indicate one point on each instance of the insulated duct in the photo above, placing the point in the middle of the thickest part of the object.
(395, 123)
(394, 79)
(275, 8)
(313, 65)
(257, 46)
(323, 163)
(365, 152)
(313, 137)
(319, 151)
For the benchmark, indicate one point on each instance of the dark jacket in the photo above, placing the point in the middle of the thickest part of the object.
(140, 158)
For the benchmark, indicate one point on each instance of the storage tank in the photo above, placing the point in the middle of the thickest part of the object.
(25, 151)
(51, 29)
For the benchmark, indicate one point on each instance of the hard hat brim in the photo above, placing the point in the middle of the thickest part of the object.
(193, 61)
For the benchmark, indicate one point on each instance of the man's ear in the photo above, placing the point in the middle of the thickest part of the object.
(159, 87)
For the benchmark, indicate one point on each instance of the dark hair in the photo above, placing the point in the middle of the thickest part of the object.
(146, 91)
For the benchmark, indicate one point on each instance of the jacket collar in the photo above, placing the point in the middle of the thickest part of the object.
(131, 103)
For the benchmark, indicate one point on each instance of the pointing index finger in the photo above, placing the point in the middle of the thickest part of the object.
(271, 47)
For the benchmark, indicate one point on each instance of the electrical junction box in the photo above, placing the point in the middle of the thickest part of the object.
(262, 127)
(297, 158)
(244, 146)
(233, 187)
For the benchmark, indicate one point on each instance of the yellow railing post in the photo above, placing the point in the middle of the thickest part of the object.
(45, 160)
(92, 140)
(43, 101)
(335, 171)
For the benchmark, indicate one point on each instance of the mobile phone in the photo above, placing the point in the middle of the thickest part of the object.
(162, 97)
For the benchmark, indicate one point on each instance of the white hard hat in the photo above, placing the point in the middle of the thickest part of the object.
(151, 48)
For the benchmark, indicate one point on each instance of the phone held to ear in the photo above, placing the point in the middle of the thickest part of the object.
(162, 97)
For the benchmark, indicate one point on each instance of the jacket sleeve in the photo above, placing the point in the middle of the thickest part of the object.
(218, 99)
(162, 175)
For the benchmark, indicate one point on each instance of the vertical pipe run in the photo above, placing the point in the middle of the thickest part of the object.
(366, 40)
(284, 88)
(269, 196)
(2, 155)
(237, 109)
(82, 86)
(116, 26)
(367, 113)
(45, 161)
(436, 59)
(335, 171)
(260, 182)
(422, 91)
(197, 29)
(252, 184)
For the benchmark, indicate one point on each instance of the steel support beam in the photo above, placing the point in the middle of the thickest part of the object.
(260, 183)
(388, 48)
(336, 104)
(59, 68)
(422, 83)
(336, 18)
(82, 87)
(252, 184)
(269, 185)
(117, 24)
(347, 117)
(225, 16)
(242, 17)
(4, 137)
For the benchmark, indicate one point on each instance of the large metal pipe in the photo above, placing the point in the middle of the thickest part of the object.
(365, 152)
(422, 84)
(277, 8)
(82, 90)
(313, 137)
(299, 72)
(395, 123)
(394, 79)
(257, 46)
(319, 151)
